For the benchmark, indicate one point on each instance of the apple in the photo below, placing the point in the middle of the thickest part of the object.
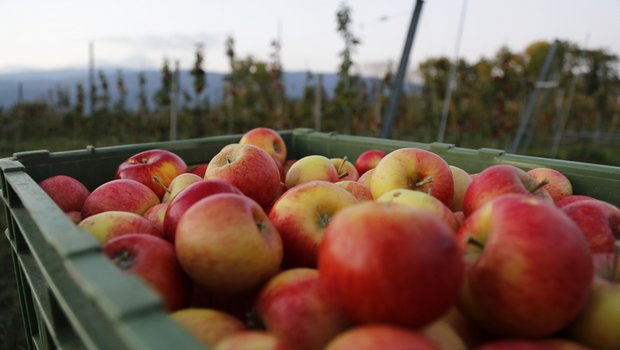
(268, 140)
(461, 182)
(74, 216)
(373, 337)
(226, 243)
(497, 180)
(443, 335)
(558, 186)
(287, 165)
(293, 307)
(368, 160)
(67, 192)
(248, 168)
(156, 215)
(154, 260)
(422, 201)
(390, 263)
(192, 194)
(599, 221)
(365, 178)
(345, 169)
(208, 326)
(571, 199)
(597, 323)
(311, 168)
(414, 169)
(251, 340)
(178, 184)
(240, 305)
(471, 335)
(540, 344)
(120, 195)
(199, 170)
(529, 270)
(301, 214)
(357, 189)
(154, 168)
(111, 224)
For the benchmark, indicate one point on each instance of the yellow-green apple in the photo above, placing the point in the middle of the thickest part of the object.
(67, 192)
(413, 169)
(208, 326)
(156, 215)
(293, 307)
(287, 165)
(379, 336)
(268, 140)
(310, 168)
(529, 269)
(597, 323)
(422, 201)
(119, 195)
(357, 189)
(199, 170)
(599, 221)
(252, 340)
(301, 214)
(365, 178)
(390, 263)
(248, 168)
(497, 180)
(571, 199)
(558, 186)
(461, 181)
(110, 224)
(192, 194)
(226, 243)
(539, 344)
(368, 160)
(442, 334)
(345, 169)
(154, 168)
(154, 260)
(178, 184)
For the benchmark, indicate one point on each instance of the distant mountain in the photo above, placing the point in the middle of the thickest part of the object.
(40, 85)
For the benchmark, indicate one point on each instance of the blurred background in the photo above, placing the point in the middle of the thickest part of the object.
(531, 77)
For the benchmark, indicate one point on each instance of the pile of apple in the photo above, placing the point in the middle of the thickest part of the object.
(393, 251)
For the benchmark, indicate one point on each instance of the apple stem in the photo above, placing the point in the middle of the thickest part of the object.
(540, 185)
(340, 176)
(473, 241)
(160, 184)
(340, 166)
(425, 181)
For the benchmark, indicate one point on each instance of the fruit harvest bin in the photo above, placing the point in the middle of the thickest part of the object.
(72, 297)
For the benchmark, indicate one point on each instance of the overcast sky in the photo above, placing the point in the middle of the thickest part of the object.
(43, 34)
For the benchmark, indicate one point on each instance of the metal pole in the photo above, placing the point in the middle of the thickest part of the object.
(386, 131)
(530, 106)
(451, 76)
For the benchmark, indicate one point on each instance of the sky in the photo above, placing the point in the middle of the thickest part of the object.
(138, 34)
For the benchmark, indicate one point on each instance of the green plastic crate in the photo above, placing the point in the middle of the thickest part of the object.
(72, 297)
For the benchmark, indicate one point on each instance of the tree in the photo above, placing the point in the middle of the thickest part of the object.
(142, 98)
(162, 96)
(105, 91)
(199, 74)
(122, 92)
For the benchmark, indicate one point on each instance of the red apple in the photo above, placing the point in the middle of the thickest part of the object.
(154, 168)
(368, 160)
(373, 337)
(558, 186)
(156, 215)
(199, 170)
(75, 216)
(251, 340)
(498, 180)
(311, 168)
(154, 260)
(523, 344)
(422, 201)
(571, 199)
(287, 165)
(111, 224)
(390, 263)
(529, 269)
(414, 169)
(599, 221)
(248, 168)
(268, 140)
(68, 193)
(240, 305)
(120, 195)
(357, 189)
(192, 194)
(300, 216)
(294, 308)
(209, 327)
(226, 243)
